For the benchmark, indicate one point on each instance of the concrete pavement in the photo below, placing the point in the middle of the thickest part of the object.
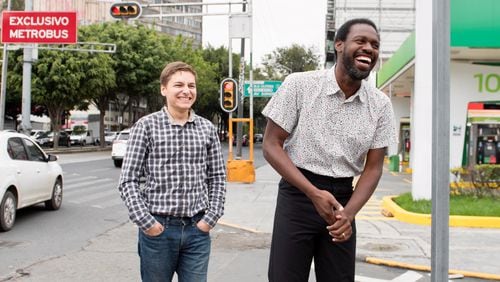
(241, 241)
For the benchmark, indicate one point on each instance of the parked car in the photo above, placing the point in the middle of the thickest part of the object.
(81, 138)
(244, 141)
(109, 137)
(27, 176)
(64, 139)
(258, 137)
(35, 133)
(42, 139)
(119, 147)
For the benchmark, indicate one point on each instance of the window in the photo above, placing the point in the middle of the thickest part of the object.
(34, 151)
(16, 149)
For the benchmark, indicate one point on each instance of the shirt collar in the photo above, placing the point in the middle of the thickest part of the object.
(171, 120)
(332, 87)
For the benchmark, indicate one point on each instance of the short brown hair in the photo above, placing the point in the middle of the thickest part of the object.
(172, 68)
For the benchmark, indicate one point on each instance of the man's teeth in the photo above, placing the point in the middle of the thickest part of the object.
(364, 59)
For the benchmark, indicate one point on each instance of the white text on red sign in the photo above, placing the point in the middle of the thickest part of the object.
(39, 27)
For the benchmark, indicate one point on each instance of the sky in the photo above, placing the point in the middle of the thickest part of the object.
(276, 23)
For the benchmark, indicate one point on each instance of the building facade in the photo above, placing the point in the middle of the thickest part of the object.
(394, 18)
(98, 11)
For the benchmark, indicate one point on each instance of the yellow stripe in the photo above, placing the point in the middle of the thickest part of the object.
(383, 218)
(418, 267)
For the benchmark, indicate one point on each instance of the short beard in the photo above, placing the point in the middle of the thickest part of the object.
(352, 71)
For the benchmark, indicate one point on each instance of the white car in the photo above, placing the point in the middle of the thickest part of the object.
(27, 176)
(109, 137)
(81, 138)
(119, 147)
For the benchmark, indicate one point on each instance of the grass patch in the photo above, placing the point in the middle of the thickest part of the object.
(459, 205)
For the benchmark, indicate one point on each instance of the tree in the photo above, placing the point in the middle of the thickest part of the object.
(100, 77)
(285, 60)
(219, 58)
(56, 84)
(138, 63)
(16, 5)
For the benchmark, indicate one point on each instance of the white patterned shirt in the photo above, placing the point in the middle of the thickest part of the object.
(330, 135)
(183, 165)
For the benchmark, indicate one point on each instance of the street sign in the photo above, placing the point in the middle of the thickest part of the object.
(262, 88)
(39, 27)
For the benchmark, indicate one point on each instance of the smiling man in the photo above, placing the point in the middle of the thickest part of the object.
(179, 154)
(324, 128)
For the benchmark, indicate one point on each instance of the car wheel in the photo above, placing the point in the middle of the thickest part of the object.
(118, 163)
(7, 211)
(57, 194)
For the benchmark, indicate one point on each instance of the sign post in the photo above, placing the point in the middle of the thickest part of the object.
(30, 27)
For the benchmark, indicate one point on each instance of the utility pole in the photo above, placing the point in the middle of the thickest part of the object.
(3, 92)
(440, 140)
(26, 99)
(239, 126)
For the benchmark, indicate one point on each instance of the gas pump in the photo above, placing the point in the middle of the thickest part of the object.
(488, 144)
(404, 129)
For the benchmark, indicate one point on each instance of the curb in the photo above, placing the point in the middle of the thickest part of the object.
(75, 150)
(391, 263)
(391, 209)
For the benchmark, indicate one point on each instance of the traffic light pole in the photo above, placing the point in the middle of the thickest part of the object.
(3, 93)
(239, 127)
(26, 92)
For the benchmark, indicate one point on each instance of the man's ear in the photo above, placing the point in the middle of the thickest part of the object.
(339, 45)
(163, 90)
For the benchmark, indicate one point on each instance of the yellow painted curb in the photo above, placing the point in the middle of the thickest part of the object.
(418, 267)
(238, 227)
(389, 207)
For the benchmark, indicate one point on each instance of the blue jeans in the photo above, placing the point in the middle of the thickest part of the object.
(180, 248)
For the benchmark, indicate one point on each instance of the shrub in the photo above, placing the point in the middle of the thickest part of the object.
(479, 180)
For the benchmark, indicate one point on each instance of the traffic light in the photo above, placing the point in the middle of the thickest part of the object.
(229, 95)
(126, 10)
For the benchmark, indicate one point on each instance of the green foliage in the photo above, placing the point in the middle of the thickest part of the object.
(79, 129)
(459, 205)
(285, 60)
(478, 181)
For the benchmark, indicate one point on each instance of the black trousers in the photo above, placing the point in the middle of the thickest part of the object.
(300, 234)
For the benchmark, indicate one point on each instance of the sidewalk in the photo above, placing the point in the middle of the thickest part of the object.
(241, 241)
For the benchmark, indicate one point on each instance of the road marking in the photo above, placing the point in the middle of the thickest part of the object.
(110, 203)
(95, 196)
(74, 180)
(408, 276)
(87, 183)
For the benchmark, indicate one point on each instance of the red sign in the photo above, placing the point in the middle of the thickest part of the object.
(39, 27)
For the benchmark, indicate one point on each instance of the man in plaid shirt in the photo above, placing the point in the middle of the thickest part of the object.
(179, 154)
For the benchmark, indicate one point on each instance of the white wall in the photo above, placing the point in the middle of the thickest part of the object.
(465, 88)
(421, 119)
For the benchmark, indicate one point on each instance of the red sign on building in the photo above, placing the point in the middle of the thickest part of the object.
(39, 27)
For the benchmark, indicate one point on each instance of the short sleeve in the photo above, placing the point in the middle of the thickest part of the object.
(283, 107)
(385, 133)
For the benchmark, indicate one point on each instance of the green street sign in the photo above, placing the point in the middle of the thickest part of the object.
(262, 88)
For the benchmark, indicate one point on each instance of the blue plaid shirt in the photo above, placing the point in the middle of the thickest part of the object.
(183, 166)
